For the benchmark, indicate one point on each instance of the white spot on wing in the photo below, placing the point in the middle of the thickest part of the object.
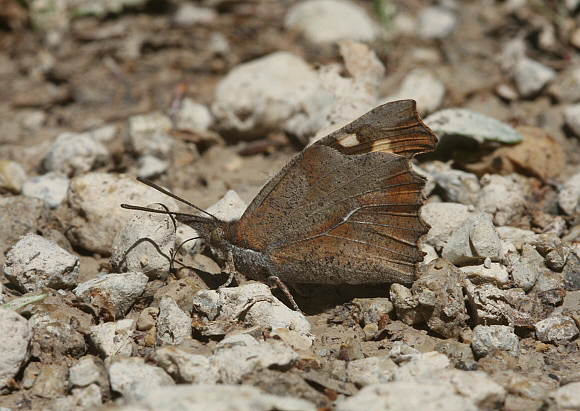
(350, 140)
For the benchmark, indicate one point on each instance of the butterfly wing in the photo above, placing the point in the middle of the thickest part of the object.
(390, 128)
(330, 218)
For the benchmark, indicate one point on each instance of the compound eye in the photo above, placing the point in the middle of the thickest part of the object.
(217, 236)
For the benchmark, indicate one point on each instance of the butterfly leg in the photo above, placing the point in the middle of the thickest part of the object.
(276, 281)
(230, 269)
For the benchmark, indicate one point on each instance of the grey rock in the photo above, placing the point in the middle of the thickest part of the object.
(54, 340)
(329, 21)
(134, 379)
(148, 135)
(463, 122)
(118, 290)
(571, 272)
(16, 337)
(372, 310)
(173, 325)
(444, 219)
(479, 274)
(569, 195)
(113, 338)
(144, 245)
(440, 297)
(531, 77)
(422, 86)
(460, 354)
(193, 117)
(75, 154)
(513, 238)
(504, 197)
(406, 304)
(436, 23)
(19, 215)
(490, 305)
(35, 262)
(90, 372)
(51, 382)
(95, 199)
(217, 398)
(260, 95)
(564, 398)
(50, 187)
(12, 176)
(459, 186)
(473, 241)
(566, 87)
(554, 250)
(524, 269)
(488, 338)
(241, 354)
(371, 370)
(186, 367)
(151, 167)
(558, 329)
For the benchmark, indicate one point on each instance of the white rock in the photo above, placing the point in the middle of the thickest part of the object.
(186, 367)
(75, 153)
(120, 290)
(514, 235)
(436, 23)
(96, 198)
(488, 338)
(80, 399)
(566, 87)
(134, 379)
(427, 362)
(148, 134)
(229, 208)
(238, 355)
(444, 219)
(90, 371)
(173, 324)
(407, 396)
(50, 187)
(16, 336)
(151, 167)
(564, 398)
(35, 262)
(504, 197)
(145, 244)
(371, 370)
(531, 76)
(524, 269)
(184, 242)
(193, 117)
(188, 15)
(569, 195)
(406, 304)
(12, 176)
(262, 94)
(558, 329)
(496, 274)
(217, 398)
(329, 21)
(113, 338)
(423, 87)
(473, 241)
(572, 118)
(53, 339)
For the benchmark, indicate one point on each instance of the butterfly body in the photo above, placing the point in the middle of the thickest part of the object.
(344, 210)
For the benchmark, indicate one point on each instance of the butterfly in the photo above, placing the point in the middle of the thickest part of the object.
(344, 210)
